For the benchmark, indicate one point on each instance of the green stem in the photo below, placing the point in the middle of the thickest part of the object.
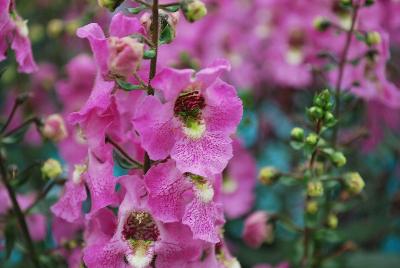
(122, 151)
(341, 68)
(20, 216)
(153, 64)
(29, 121)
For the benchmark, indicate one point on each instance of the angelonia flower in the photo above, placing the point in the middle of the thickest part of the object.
(14, 31)
(257, 229)
(191, 120)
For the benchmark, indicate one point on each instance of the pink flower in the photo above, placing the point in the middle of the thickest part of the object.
(14, 30)
(189, 198)
(239, 180)
(194, 122)
(136, 236)
(279, 265)
(256, 229)
(119, 55)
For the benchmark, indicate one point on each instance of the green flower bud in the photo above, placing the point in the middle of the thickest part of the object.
(373, 38)
(315, 113)
(311, 207)
(329, 119)
(194, 10)
(312, 139)
(110, 4)
(338, 159)
(315, 189)
(346, 3)
(321, 24)
(51, 169)
(323, 99)
(332, 221)
(55, 27)
(268, 175)
(354, 182)
(297, 134)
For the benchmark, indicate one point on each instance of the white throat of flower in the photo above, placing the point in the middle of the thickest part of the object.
(229, 185)
(22, 26)
(294, 56)
(77, 174)
(194, 130)
(204, 191)
(143, 253)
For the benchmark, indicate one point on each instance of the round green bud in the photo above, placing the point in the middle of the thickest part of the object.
(321, 24)
(373, 38)
(51, 169)
(315, 113)
(311, 207)
(338, 159)
(346, 3)
(354, 182)
(332, 221)
(297, 134)
(268, 175)
(194, 10)
(315, 189)
(312, 139)
(55, 27)
(323, 99)
(329, 119)
(110, 4)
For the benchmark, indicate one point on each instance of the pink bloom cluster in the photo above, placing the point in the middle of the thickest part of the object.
(172, 214)
(291, 42)
(14, 30)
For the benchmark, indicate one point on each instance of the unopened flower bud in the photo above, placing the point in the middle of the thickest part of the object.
(315, 113)
(125, 56)
(373, 38)
(329, 119)
(297, 134)
(354, 182)
(268, 175)
(51, 169)
(321, 24)
(257, 230)
(315, 189)
(55, 27)
(332, 221)
(312, 139)
(323, 99)
(54, 128)
(346, 3)
(194, 10)
(312, 207)
(110, 4)
(338, 159)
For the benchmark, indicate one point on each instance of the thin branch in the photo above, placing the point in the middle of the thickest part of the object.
(44, 193)
(20, 216)
(27, 122)
(122, 151)
(342, 64)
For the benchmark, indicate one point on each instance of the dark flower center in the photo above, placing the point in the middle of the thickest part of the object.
(140, 226)
(188, 106)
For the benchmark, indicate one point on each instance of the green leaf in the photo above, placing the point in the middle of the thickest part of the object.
(289, 181)
(123, 162)
(149, 54)
(136, 10)
(296, 145)
(167, 35)
(174, 8)
(127, 86)
(328, 235)
(10, 236)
